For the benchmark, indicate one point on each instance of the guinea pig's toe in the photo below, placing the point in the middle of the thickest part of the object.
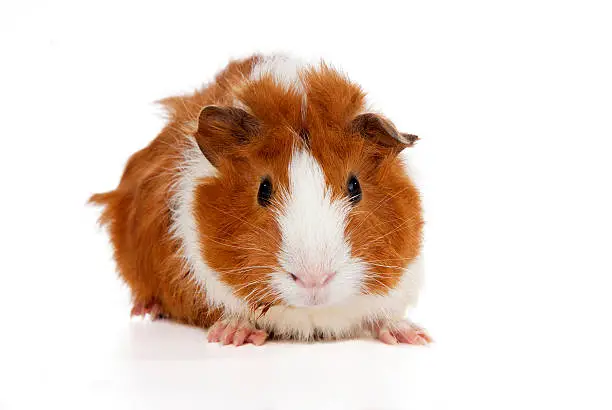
(231, 333)
(422, 333)
(137, 310)
(410, 336)
(257, 337)
(215, 331)
(402, 331)
(241, 336)
(156, 312)
(152, 307)
(385, 336)
(228, 334)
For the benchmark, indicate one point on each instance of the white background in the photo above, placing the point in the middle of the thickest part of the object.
(513, 102)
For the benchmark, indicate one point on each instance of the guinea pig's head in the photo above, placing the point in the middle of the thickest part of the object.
(310, 204)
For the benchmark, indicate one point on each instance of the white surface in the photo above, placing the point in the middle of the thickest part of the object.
(513, 106)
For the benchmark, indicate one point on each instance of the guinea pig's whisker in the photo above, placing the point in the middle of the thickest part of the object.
(255, 289)
(239, 247)
(245, 269)
(267, 291)
(256, 293)
(384, 266)
(399, 227)
(252, 283)
(387, 198)
(392, 274)
(396, 219)
(246, 222)
(245, 274)
(383, 275)
(379, 282)
(273, 294)
(390, 259)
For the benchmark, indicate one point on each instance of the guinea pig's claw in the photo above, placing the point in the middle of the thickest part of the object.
(152, 308)
(237, 334)
(402, 331)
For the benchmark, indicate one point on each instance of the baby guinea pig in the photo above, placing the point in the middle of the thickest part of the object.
(272, 203)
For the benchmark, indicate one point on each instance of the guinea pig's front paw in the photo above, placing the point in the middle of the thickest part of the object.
(152, 307)
(401, 331)
(237, 333)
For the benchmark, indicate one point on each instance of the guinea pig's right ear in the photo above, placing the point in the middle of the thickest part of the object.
(221, 129)
(382, 132)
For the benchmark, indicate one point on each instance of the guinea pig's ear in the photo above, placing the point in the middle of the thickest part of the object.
(382, 132)
(220, 129)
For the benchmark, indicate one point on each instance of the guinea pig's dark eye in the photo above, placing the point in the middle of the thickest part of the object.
(354, 189)
(265, 192)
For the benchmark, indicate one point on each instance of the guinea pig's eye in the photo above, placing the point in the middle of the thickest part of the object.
(265, 192)
(354, 189)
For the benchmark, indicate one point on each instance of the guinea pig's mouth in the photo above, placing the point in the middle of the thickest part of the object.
(313, 288)
(314, 299)
(301, 297)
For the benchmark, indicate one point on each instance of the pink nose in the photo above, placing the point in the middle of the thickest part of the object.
(312, 280)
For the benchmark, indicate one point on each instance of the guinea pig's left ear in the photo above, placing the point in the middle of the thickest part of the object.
(220, 129)
(381, 131)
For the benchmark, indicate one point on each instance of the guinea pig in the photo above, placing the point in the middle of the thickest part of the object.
(273, 203)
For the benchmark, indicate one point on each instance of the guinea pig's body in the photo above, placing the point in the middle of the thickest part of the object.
(272, 202)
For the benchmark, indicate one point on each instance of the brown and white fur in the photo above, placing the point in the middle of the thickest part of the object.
(195, 243)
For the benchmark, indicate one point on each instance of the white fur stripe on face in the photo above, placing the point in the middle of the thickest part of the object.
(312, 226)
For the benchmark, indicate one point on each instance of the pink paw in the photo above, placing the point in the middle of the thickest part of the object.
(402, 331)
(152, 308)
(236, 333)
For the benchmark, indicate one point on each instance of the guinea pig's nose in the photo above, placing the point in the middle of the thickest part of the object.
(312, 279)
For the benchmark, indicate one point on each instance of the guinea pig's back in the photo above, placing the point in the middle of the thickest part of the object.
(139, 212)
(138, 219)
